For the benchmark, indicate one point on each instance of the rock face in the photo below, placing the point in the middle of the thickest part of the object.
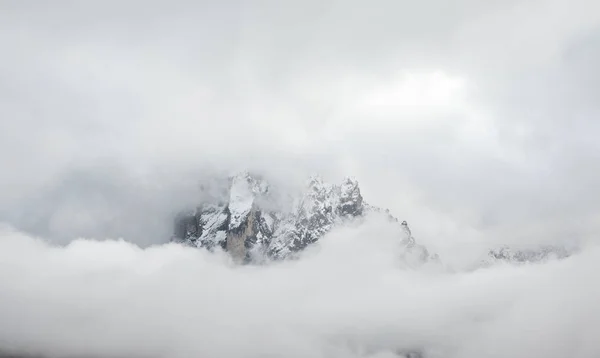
(244, 222)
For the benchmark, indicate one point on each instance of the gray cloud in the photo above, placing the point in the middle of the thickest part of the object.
(474, 121)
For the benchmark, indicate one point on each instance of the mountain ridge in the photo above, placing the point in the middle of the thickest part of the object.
(246, 220)
(256, 222)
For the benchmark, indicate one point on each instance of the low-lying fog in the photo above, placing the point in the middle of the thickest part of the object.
(349, 296)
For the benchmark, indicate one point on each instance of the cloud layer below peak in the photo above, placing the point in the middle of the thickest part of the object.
(349, 296)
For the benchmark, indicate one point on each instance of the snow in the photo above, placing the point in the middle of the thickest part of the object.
(270, 222)
(320, 208)
(244, 189)
(220, 236)
(212, 219)
(349, 191)
(538, 254)
(283, 235)
(318, 198)
(239, 207)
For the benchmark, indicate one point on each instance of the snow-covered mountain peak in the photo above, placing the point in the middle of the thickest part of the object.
(351, 200)
(314, 180)
(251, 227)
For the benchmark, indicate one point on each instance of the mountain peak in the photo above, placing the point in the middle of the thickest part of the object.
(351, 200)
(314, 179)
(252, 229)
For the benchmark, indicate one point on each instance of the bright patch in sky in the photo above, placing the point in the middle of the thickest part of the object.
(417, 93)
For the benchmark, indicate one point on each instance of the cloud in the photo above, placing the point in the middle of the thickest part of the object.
(350, 296)
(475, 121)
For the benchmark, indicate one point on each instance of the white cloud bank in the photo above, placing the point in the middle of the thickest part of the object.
(349, 297)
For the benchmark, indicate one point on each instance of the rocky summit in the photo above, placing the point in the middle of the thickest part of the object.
(249, 219)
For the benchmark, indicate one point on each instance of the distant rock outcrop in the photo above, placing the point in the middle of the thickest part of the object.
(541, 254)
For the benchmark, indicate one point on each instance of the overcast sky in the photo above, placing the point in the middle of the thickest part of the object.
(476, 121)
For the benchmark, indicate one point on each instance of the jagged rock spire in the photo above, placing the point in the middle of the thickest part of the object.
(247, 229)
(351, 201)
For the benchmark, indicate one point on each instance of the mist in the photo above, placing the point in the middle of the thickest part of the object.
(473, 121)
(351, 295)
